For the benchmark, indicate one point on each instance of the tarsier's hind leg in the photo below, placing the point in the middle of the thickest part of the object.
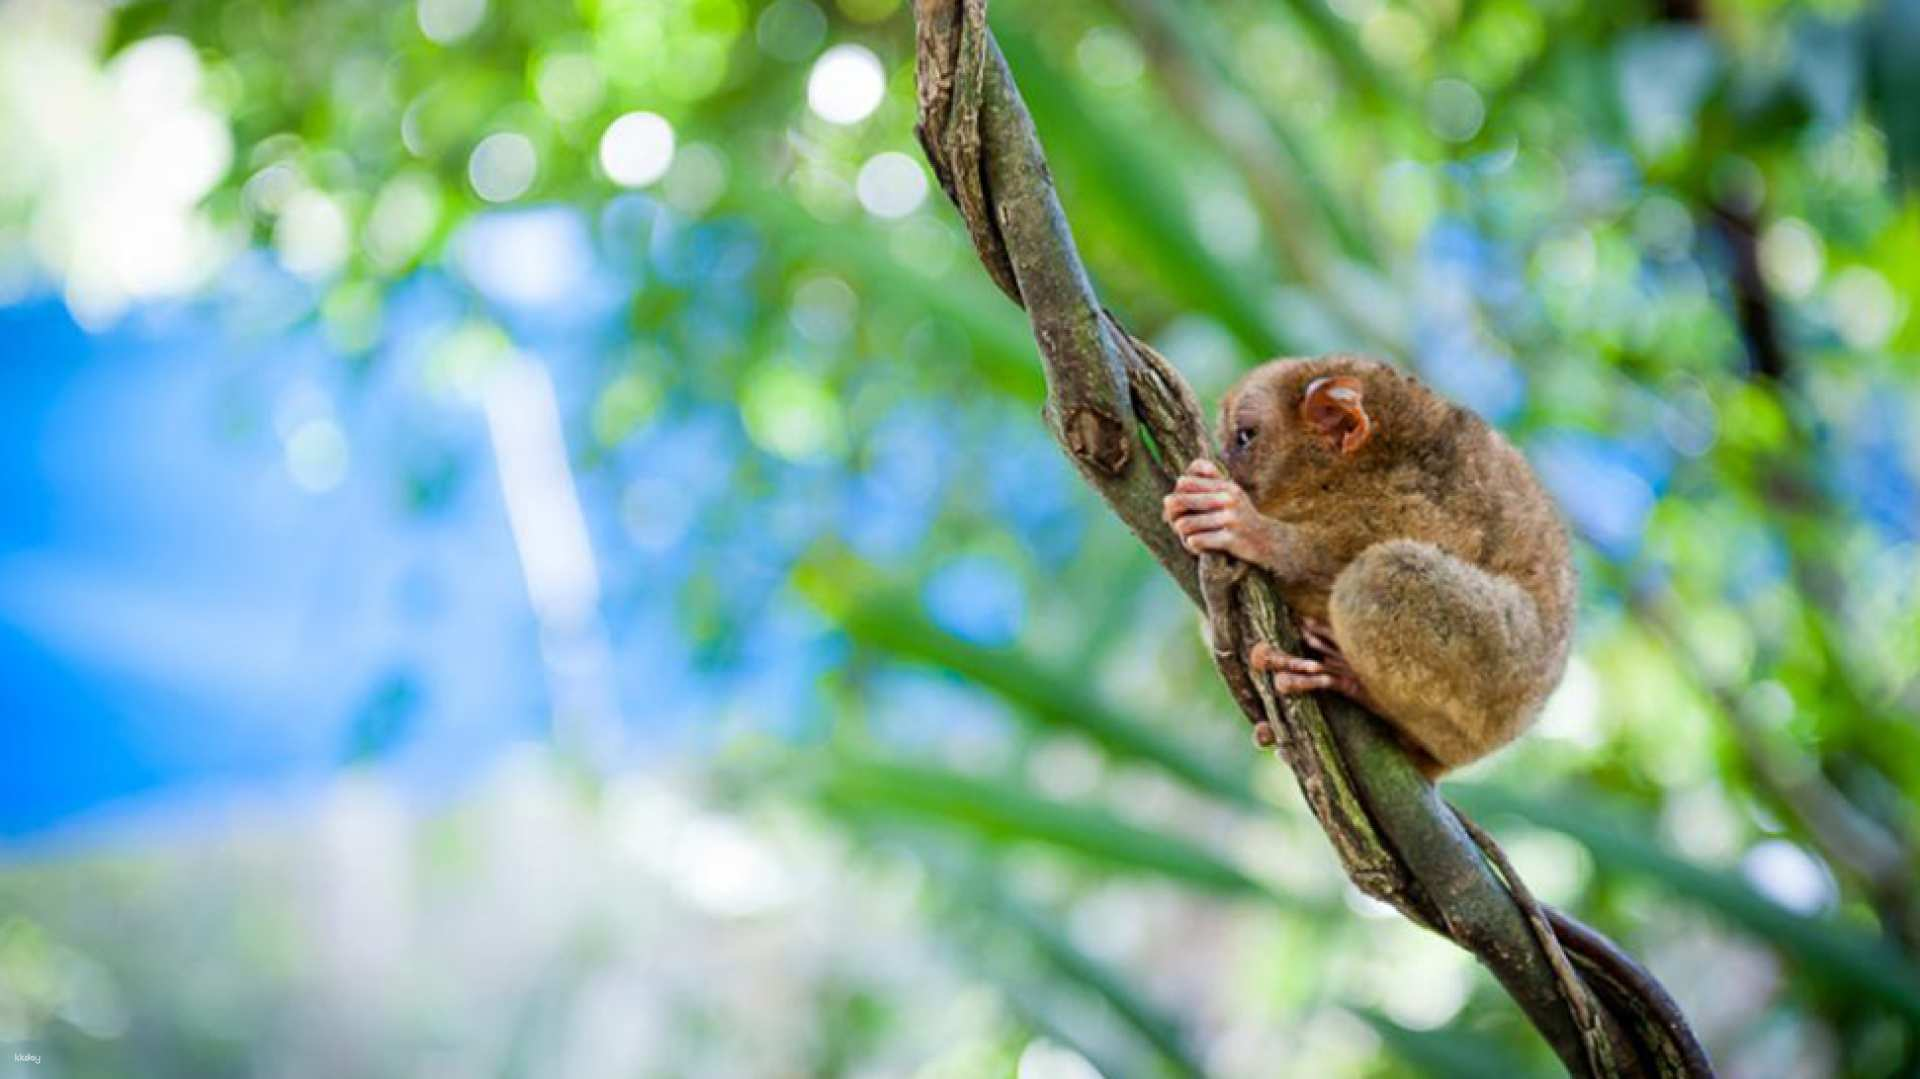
(1454, 657)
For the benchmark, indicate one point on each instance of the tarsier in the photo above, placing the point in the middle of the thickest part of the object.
(1428, 568)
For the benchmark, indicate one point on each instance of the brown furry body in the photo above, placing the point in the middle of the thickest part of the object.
(1429, 548)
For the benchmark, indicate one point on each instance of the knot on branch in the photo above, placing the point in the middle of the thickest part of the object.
(1097, 439)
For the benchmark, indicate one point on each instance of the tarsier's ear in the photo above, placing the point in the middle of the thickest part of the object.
(1332, 406)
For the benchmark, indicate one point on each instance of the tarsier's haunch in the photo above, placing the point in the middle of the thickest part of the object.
(1429, 569)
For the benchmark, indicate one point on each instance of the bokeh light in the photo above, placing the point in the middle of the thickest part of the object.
(403, 219)
(502, 166)
(447, 21)
(1044, 1058)
(824, 309)
(846, 84)
(311, 234)
(1454, 109)
(790, 412)
(891, 185)
(1109, 56)
(570, 85)
(697, 179)
(1865, 308)
(637, 149)
(266, 192)
(1793, 257)
(156, 74)
(537, 259)
(317, 455)
(791, 29)
(1785, 873)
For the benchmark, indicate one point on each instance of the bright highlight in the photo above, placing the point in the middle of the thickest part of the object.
(637, 149)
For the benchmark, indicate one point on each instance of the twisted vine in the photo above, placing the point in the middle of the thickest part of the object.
(1129, 422)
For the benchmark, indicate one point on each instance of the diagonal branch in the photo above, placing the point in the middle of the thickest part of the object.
(1128, 421)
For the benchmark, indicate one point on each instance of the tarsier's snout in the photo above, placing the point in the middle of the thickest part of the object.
(1234, 450)
(1241, 455)
(1238, 458)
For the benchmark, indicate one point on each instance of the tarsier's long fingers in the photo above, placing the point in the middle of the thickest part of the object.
(1202, 475)
(1187, 503)
(1194, 485)
(1208, 511)
(1193, 523)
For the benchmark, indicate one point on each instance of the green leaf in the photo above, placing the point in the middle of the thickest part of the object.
(1130, 179)
(1002, 349)
(1005, 812)
(1336, 39)
(1199, 31)
(1444, 1054)
(1088, 973)
(1842, 955)
(890, 623)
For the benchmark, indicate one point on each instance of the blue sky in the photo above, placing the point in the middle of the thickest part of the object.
(177, 612)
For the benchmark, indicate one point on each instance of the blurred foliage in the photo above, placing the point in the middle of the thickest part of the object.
(929, 675)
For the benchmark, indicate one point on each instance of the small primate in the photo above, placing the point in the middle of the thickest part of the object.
(1428, 567)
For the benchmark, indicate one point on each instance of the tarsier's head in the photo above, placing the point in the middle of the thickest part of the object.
(1296, 422)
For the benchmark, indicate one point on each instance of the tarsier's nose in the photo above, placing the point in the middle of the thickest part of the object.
(1235, 458)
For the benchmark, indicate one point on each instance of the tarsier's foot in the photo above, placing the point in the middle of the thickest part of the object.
(1319, 637)
(1328, 672)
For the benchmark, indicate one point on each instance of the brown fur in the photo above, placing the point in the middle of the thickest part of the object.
(1432, 550)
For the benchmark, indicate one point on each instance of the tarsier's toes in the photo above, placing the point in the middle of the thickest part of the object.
(1319, 636)
(1301, 674)
(1291, 674)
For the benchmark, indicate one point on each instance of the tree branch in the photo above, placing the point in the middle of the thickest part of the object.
(1129, 422)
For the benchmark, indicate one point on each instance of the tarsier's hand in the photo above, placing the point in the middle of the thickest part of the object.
(1211, 513)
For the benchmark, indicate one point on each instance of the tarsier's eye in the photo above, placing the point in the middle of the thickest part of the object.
(1243, 437)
